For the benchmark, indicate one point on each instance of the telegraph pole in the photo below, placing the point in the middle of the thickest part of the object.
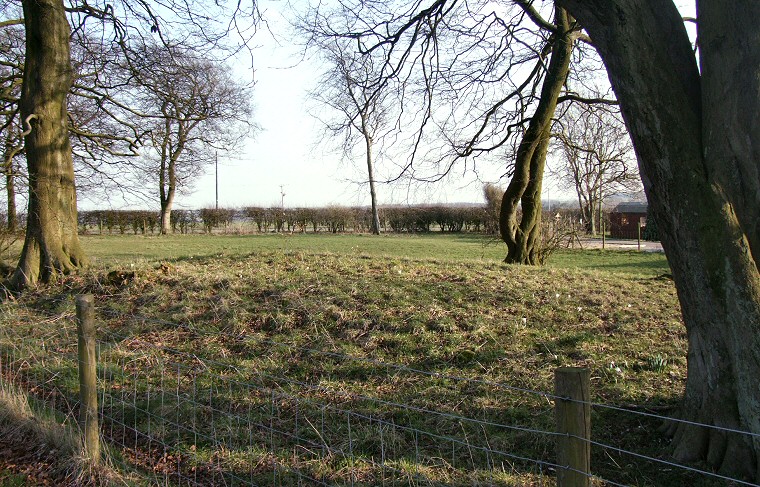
(216, 167)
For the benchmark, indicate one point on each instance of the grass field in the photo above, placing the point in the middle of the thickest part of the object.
(289, 310)
(134, 249)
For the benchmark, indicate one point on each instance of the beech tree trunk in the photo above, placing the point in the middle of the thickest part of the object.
(167, 176)
(697, 135)
(168, 190)
(52, 245)
(524, 190)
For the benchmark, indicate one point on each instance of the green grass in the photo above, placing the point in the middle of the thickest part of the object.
(10, 479)
(240, 320)
(124, 250)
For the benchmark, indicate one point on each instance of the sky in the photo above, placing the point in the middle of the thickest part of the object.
(285, 158)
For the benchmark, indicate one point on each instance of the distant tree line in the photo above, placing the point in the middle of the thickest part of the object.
(332, 219)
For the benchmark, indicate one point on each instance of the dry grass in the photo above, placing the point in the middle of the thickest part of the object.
(276, 312)
(43, 450)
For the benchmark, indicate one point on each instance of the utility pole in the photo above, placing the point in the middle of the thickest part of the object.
(282, 207)
(216, 167)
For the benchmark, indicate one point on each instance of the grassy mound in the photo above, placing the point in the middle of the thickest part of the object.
(359, 323)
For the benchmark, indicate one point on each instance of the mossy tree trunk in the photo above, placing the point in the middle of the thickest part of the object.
(52, 245)
(523, 235)
(696, 131)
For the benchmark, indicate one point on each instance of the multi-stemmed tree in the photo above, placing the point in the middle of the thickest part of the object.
(193, 109)
(597, 159)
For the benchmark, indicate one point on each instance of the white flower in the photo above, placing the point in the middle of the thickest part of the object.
(580, 309)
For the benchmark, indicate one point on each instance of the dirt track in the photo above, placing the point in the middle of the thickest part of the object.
(620, 244)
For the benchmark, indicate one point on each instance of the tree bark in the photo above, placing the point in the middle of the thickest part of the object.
(698, 139)
(167, 178)
(375, 225)
(167, 198)
(522, 236)
(52, 245)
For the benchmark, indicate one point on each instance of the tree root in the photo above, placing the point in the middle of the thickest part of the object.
(729, 454)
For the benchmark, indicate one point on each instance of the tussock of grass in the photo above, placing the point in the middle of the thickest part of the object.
(18, 420)
(51, 442)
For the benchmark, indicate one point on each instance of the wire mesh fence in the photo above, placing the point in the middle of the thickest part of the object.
(321, 418)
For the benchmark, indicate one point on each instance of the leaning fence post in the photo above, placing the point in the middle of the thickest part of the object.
(88, 393)
(573, 410)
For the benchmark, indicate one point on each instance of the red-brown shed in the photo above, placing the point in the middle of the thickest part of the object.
(625, 219)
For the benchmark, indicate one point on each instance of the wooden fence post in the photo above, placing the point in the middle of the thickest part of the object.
(574, 426)
(88, 392)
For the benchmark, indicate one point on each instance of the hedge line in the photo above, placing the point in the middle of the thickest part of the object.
(335, 219)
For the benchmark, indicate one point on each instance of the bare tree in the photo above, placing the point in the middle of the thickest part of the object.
(11, 72)
(105, 130)
(359, 110)
(597, 158)
(194, 109)
(523, 237)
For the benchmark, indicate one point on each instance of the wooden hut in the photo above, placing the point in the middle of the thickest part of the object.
(625, 219)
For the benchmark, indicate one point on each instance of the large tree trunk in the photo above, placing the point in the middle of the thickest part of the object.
(167, 201)
(522, 237)
(51, 245)
(698, 142)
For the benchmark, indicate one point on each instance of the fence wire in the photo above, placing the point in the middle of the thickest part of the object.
(497, 385)
(186, 419)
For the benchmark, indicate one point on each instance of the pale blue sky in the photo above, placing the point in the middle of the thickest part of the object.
(285, 153)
